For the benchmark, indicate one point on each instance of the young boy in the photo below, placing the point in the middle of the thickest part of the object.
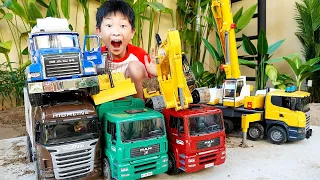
(115, 26)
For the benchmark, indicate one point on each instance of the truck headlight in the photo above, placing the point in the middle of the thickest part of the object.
(191, 160)
(34, 75)
(124, 169)
(301, 131)
(90, 70)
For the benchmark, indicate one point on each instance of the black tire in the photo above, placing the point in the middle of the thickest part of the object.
(228, 126)
(255, 131)
(29, 149)
(36, 99)
(277, 135)
(106, 169)
(93, 90)
(172, 166)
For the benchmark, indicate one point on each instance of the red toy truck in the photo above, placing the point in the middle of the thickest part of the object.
(196, 138)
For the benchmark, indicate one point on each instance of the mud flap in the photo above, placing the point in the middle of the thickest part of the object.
(309, 133)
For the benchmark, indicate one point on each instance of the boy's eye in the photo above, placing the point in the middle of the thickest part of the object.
(108, 25)
(123, 26)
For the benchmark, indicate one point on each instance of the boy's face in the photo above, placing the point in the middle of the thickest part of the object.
(116, 33)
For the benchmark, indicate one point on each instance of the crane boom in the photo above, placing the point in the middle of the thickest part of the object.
(221, 10)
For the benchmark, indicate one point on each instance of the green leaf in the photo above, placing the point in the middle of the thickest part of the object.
(70, 27)
(218, 44)
(42, 3)
(305, 75)
(214, 54)
(25, 51)
(188, 36)
(281, 58)
(247, 45)
(246, 17)
(34, 12)
(8, 16)
(315, 68)
(5, 47)
(167, 10)
(208, 78)
(313, 61)
(285, 77)
(272, 72)
(156, 6)
(17, 9)
(272, 48)
(304, 68)
(250, 64)
(292, 65)
(65, 7)
(237, 15)
(297, 61)
(204, 2)
(197, 69)
(262, 43)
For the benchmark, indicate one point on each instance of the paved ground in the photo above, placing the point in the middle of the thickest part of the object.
(262, 160)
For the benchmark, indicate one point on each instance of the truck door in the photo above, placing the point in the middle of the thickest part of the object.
(111, 137)
(177, 137)
(272, 109)
(286, 113)
(91, 49)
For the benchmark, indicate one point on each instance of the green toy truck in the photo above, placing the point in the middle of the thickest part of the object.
(134, 141)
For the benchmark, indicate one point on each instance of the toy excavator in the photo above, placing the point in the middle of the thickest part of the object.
(112, 85)
(174, 91)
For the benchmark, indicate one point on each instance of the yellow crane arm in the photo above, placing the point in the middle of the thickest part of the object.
(221, 10)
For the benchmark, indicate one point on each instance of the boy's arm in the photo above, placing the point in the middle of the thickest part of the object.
(149, 62)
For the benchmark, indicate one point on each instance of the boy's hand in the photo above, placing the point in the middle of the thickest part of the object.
(151, 67)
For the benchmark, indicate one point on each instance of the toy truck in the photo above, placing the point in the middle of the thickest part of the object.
(281, 115)
(196, 138)
(63, 138)
(57, 63)
(135, 143)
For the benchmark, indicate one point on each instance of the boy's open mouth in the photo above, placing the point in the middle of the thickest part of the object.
(116, 43)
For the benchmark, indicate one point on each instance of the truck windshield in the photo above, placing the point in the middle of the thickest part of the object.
(70, 131)
(56, 41)
(141, 130)
(205, 124)
(303, 104)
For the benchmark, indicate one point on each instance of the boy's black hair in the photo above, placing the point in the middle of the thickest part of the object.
(114, 6)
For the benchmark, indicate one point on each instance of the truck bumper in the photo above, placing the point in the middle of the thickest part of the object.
(62, 85)
(143, 169)
(205, 159)
(296, 134)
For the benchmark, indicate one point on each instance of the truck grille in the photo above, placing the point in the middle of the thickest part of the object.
(59, 65)
(73, 160)
(142, 151)
(308, 118)
(207, 158)
(208, 143)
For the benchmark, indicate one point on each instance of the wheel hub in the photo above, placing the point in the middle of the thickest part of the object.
(276, 135)
(254, 132)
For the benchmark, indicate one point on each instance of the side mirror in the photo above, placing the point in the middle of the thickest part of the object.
(181, 130)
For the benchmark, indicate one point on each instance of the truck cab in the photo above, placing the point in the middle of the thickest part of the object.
(196, 138)
(63, 139)
(287, 115)
(57, 63)
(135, 143)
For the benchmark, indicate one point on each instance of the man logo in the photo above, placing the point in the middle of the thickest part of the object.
(145, 150)
(208, 143)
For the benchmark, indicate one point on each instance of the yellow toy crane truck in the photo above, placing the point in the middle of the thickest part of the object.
(281, 115)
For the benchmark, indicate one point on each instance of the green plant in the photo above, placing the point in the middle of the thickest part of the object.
(308, 33)
(140, 8)
(261, 54)
(241, 19)
(279, 81)
(302, 71)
